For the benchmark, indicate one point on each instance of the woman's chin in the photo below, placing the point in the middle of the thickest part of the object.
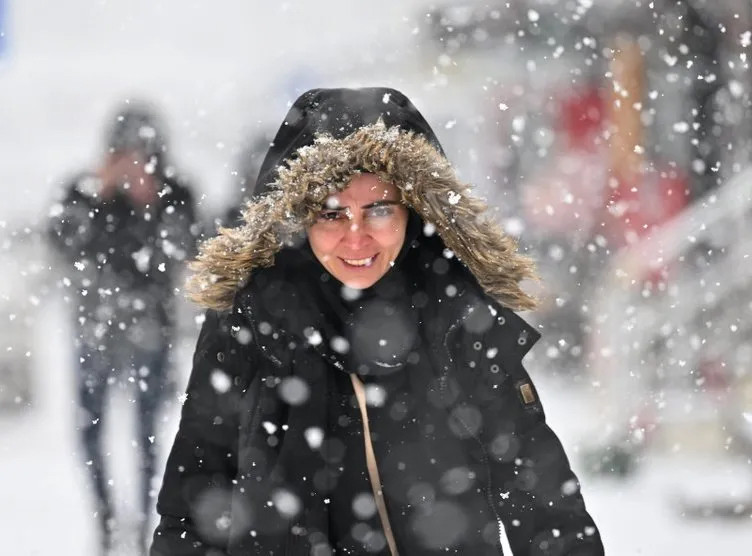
(356, 277)
(359, 280)
(359, 283)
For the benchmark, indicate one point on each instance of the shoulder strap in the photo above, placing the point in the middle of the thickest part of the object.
(373, 470)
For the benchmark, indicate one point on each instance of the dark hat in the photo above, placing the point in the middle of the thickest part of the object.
(137, 127)
(339, 112)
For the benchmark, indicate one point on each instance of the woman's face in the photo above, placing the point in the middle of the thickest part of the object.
(360, 231)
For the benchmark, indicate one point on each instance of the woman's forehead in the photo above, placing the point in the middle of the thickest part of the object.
(363, 189)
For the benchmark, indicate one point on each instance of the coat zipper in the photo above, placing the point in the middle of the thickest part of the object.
(290, 540)
(442, 388)
(255, 417)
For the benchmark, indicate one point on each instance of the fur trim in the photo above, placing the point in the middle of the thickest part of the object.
(427, 183)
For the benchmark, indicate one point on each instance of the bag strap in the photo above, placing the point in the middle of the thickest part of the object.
(373, 470)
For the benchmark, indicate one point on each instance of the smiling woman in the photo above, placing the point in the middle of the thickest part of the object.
(360, 231)
(362, 319)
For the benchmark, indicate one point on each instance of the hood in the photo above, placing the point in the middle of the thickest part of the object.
(328, 136)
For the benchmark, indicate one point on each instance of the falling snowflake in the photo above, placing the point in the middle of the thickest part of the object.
(294, 390)
(340, 344)
(220, 381)
(313, 336)
(314, 437)
(375, 395)
(286, 503)
(681, 127)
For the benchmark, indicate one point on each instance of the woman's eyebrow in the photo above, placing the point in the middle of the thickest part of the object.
(374, 204)
(385, 202)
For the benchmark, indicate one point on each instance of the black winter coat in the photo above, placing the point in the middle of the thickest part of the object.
(269, 456)
(121, 264)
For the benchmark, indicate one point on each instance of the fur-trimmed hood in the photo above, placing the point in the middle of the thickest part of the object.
(385, 136)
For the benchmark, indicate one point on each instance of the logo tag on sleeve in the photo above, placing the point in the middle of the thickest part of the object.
(526, 391)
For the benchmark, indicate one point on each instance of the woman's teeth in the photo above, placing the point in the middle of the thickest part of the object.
(360, 262)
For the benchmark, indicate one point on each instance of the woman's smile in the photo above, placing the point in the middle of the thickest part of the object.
(360, 263)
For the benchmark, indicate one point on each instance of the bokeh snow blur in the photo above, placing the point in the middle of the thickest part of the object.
(614, 138)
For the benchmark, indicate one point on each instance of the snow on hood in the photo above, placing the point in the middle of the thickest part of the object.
(427, 182)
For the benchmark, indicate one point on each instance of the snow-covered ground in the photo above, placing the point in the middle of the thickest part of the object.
(219, 71)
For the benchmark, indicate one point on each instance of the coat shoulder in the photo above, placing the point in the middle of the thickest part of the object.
(488, 353)
(500, 328)
(223, 344)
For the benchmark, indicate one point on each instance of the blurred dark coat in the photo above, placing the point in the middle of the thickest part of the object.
(269, 457)
(121, 264)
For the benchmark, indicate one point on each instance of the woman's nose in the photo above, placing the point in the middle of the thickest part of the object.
(354, 231)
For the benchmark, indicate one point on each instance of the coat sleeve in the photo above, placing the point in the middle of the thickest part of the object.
(195, 499)
(77, 224)
(535, 492)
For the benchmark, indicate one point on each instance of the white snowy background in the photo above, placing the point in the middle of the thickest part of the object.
(221, 71)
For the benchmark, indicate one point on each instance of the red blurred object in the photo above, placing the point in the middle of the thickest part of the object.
(564, 198)
(639, 203)
(581, 116)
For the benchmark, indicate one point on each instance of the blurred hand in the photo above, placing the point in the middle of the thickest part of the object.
(111, 174)
(126, 171)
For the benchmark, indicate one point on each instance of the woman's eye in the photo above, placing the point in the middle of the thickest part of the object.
(330, 215)
(380, 212)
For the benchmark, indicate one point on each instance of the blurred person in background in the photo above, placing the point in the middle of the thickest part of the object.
(358, 384)
(694, 33)
(123, 231)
